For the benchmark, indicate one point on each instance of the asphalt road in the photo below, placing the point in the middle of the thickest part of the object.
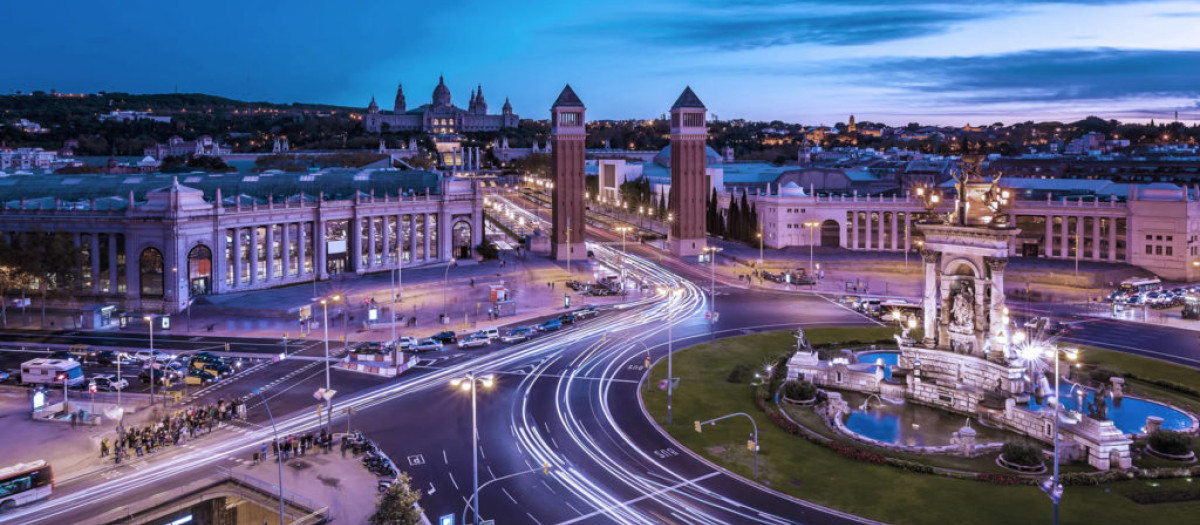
(568, 399)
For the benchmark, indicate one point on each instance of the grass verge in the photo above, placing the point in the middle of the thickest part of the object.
(794, 466)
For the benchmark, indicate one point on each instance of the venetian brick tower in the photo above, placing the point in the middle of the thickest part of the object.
(566, 159)
(689, 180)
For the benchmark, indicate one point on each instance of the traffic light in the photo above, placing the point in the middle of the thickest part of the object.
(751, 445)
(226, 347)
(319, 412)
(698, 427)
(546, 468)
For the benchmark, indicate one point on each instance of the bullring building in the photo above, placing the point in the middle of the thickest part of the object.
(154, 242)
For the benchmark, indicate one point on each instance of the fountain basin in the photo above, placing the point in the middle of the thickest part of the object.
(910, 424)
(890, 359)
(1129, 414)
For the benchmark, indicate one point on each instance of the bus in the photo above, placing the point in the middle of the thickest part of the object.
(25, 483)
(1141, 285)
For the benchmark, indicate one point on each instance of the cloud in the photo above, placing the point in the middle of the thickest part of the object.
(1044, 75)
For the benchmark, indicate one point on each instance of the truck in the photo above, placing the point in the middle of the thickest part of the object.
(43, 371)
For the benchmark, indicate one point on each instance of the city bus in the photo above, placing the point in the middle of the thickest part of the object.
(25, 483)
(1142, 285)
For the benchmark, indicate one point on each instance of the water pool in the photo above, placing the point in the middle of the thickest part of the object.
(890, 359)
(1129, 414)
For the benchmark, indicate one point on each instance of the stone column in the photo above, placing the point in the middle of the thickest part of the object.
(219, 264)
(882, 242)
(300, 240)
(356, 243)
(253, 254)
(130, 258)
(895, 241)
(237, 257)
(907, 231)
(285, 245)
(371, 233)
(412, 237)
(854, 232)
(319, 246)
(1064, 248)
(426, 226)
(94, 249)
(1049, 238)
(1112, 240)
(868, 230)
(1096, 238)
(270, 252)
(387, 240)
(931, 259)
(996, 269)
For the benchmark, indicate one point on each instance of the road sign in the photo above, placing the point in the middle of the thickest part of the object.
(446, 520)
(92, 387)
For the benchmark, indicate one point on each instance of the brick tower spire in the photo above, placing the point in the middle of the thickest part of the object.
(689, 180)
(567, 134)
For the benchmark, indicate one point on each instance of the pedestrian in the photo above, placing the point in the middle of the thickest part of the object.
(262, 450)
(104, 447)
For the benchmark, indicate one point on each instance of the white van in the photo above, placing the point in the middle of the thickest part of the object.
(43, 371)
(492, 333)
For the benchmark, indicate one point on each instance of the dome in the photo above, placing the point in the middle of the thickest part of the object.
(710, 157)
(791, 189)
(441, 94)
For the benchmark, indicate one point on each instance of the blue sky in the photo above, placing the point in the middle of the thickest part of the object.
(895, 61)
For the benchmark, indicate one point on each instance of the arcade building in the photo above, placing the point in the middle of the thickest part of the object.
(155, 242)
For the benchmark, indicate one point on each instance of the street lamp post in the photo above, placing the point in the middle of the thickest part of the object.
(712, 289)
(670, 293)
(753, 424)
(153, 359)
(278, 456)
(469, 383)
(1052, 487)
(325, 312)
(445, 284)
(812, 228)
(624, 231)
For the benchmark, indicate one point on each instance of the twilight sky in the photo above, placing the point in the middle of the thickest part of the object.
(894, 61)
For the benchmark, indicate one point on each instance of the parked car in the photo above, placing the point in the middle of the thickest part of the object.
(5, 376)
(549, 326)
(405, 343)
(566, 318)
(428, 345)
(446, 338)
(491, 333)
(517, 335)
(63, 354)
(109, 382)
(586, 312)
(475, 341)
(147, 355)
(161, 375)
(370, 347)
(199, 377)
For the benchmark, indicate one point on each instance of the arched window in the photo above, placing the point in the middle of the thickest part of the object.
(461, 238)
(150, 273)
(200, 271)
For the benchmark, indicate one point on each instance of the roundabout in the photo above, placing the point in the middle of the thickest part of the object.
(801, 456)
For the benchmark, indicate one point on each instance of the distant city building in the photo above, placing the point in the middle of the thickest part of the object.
(130, 116)
(29, 126)
(441, 116)
(153, 242)
(32, 158)
(1153, 226)
(177, 147)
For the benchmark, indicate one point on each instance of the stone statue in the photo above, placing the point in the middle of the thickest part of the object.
(962, 311)
(1099, 409)
(802, 344)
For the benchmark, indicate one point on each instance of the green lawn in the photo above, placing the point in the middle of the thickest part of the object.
(795, 466)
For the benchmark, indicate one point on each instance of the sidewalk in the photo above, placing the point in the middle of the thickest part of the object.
(342, 484)
(535, 282)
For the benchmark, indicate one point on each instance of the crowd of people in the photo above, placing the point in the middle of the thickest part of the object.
(173, 429)
(295, 445)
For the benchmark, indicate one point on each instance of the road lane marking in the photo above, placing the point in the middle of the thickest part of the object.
(510, 496)
(627, 503)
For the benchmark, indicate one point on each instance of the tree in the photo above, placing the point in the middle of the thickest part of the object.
(398, 506)
(48, 259)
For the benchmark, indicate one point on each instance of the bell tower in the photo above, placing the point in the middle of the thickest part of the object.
(567, 134)
(689, 180)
